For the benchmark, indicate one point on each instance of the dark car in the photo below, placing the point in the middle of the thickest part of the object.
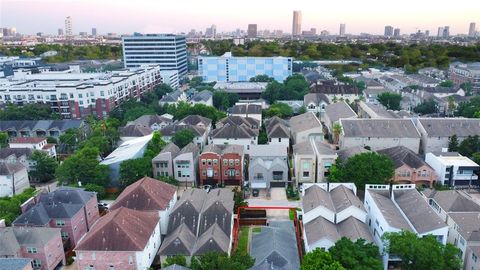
(255, 192)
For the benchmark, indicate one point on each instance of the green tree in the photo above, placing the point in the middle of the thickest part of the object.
(169, 180)
(44, 168)
(28, 112)
(446, 83)
(422, 253)
(336, 130)
(273, 92)
(133, 169)
(83, 166)
(358, 255)
(469, 108)
(155, 145)
(3, 139)
(221, 261)
(319, 259)
(453, 143)
(223, 100)
(426, 107)
(177, 259)
(364, 168)
(101, 192)
(476, 157)
(10, 206)
(390, 100)
(262, 137)
(469, 145)
(69, 140)
(183, 137)
(302, 110)
(238, 199)
(281, 110)
(467, 87)
(262, 78)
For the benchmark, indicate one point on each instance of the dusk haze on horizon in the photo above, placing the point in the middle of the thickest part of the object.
(149, 16)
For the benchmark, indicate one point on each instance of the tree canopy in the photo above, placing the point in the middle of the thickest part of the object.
(362, 169)
(358, 255)
(390, 100)
(221, 261)
(279, 109)
(426, 107)
(469, 109)
(293, 88)
(262, 78)
(183, 137)
(319, 259)
(10, 206)
(44, 168)
(422, 253)
(28, 112)
(133, 169)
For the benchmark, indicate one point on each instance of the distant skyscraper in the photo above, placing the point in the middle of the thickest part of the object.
(60, 32)
(388, 31)
(252, 31)
(211, 31)
(396, 32)
(440, 32)
(472, 29)
(297, 23)
(446, 31)
(68, 26)
(427, 33)
(94, 31)
(342, 29)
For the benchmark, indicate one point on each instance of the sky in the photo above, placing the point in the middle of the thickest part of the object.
(162, 16)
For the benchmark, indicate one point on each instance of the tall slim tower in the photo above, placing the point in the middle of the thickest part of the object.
(342, 29)
(252, 31)
(472, 29)
(94, 31)
(388, 31)
(297, 23)
(68, 26)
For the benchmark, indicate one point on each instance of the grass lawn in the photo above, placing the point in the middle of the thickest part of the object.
(243, 239)
(257, 229)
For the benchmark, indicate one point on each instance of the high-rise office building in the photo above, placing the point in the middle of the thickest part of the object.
(388, 31)
(427, 33)
(472, 29)
(446, 31)
(297, 23)
(211, 31)
(94, 32)
(252, 31)
(166, 50)
(342, 29)
(60, 32)
(68, 26)
(440, 32)
(396, 32)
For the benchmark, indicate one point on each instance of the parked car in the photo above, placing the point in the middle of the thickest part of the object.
(255, 192)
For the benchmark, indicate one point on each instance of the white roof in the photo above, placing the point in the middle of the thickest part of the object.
(240, 85)
(458, 161)
(127, 150)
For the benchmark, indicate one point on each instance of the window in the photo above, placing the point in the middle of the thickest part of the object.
(237, 172)
(209, 162)
(130, 260)
(474, 257)
(225, 162)
(237, 162)
(36, 263)
(204, 172)
(215, 161)
(64, 235)
(231, 162)
(111, 267)
(306, 174)
(32, 250)
(60, 223)
(277, 175)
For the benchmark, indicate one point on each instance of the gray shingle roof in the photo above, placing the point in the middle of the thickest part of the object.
(33, 125)
(211, 240)
(233, 131)
(272, 121)
(170, 130)
(169, 148)
(276, 244)
(320, 228)
(346, 153)
(202, 96)
(379, 128)
(278, 131)
(343, 197)
(339, 110)
(10, 168)
(304, 122)
(181, 241)
(453, 200)
(135, 131)
(401, 155)
(390, 212)
(22, 236)
(315, 98)
(18, 152)
(469, 225)
(149, 120)
(316, 196)
(420, 215)
(239, 120)
(246, 109)
(195, 120)
(354, 229)
(446, 127)
(334, 89)
(224, 148)
(172, 97)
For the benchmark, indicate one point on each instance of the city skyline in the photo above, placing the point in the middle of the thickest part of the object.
(148, 16)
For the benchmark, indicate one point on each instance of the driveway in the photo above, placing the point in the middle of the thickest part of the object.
(278, 194)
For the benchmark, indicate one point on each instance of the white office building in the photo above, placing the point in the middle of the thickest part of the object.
(227, 68)
(166, 50)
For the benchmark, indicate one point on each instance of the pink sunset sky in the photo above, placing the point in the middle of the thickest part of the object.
(127, 16)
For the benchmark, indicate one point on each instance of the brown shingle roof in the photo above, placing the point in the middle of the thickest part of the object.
(27, 140)
(146, 194)
(122, 229)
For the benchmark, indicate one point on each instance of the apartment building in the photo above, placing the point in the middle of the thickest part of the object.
(312, 161)
(453, 169)
(221, 164)
(77, 95)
